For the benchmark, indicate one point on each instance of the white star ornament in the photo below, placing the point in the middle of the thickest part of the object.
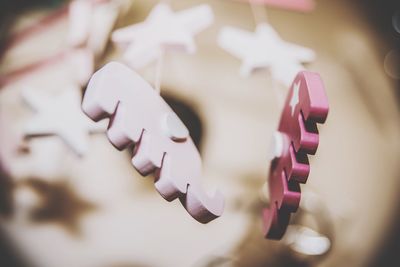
(61, 115)
(162, 30)
(265, 49)
(91, 23)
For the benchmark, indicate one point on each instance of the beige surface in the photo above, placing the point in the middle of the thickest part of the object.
(354, 173)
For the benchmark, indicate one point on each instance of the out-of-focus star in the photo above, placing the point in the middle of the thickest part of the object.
(162, 30)
(295, 97)
(92, 21)
(265, 49)
(61, 115)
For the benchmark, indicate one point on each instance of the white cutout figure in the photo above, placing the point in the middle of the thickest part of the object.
(295, 97)
(306, 241)
(61, 115)
(162, 30)
(92, 21)
(265, 49)
(79, 18)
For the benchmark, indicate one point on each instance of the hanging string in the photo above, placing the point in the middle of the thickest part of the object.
(159, 71)
(278, 93)
(36, 27)
(260, 15)
(160, 62)
(17, 74)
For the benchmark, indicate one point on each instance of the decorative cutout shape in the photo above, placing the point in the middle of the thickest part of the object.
(265, 49)
(306, 105)
(162, 30)
(60, 115)
(137, 115)
(91, 23)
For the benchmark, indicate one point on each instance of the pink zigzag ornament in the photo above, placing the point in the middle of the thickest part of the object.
(297, 136)
(163, 146)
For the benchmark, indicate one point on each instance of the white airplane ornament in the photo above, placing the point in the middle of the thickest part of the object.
(61, 115)
(162, 30)
(265, 49)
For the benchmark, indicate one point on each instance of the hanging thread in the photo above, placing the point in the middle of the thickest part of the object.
(261, 16)
(160, 62)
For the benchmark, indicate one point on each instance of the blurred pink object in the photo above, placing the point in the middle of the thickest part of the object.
(79, 61)
(297, 5)
(306, 105)
(45, 22)
(162, 30)
(163, 146)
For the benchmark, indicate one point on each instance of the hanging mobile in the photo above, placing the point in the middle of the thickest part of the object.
(305, 106)
(140, 116)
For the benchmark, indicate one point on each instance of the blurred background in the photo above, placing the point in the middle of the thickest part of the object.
(61, 209)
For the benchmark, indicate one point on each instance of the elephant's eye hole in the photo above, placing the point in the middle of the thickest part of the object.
(189, 117)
